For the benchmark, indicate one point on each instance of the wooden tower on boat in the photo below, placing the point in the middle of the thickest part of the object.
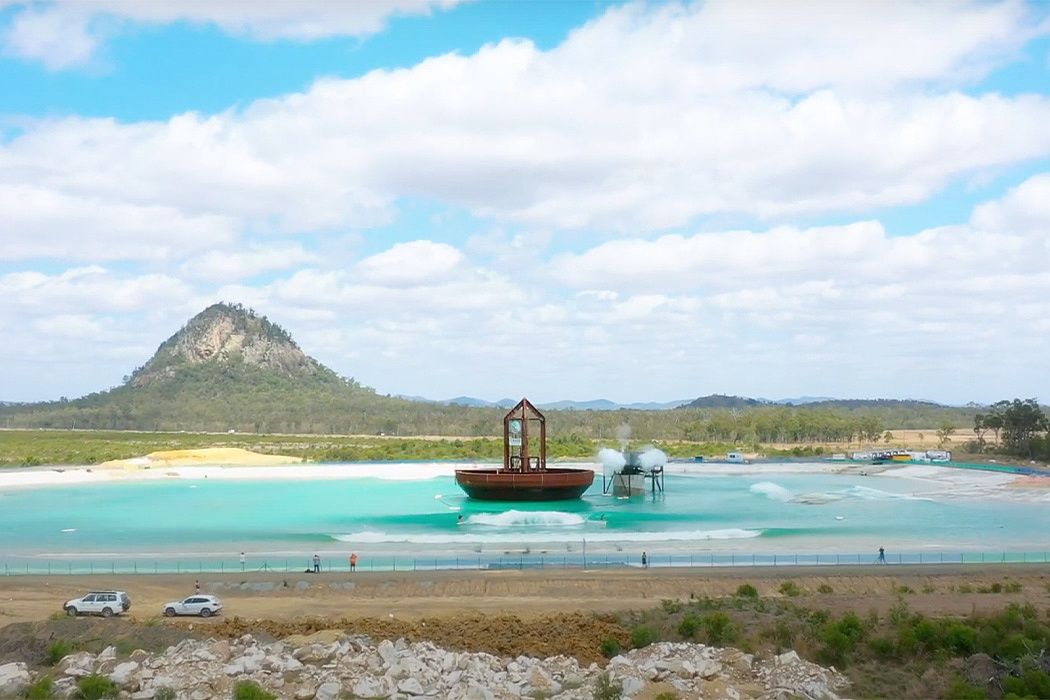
(524, 475)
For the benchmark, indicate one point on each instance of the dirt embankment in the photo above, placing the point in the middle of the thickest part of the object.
(535, 613)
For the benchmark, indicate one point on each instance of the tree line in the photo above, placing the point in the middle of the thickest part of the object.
(1018, 427)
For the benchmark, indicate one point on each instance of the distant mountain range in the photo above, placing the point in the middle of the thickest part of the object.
(594, 405)
(710, 401)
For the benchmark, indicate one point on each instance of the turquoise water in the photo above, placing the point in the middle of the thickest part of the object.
(741, 514)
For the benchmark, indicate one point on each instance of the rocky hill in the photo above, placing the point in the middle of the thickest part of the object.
(226, 335)
(227, 369)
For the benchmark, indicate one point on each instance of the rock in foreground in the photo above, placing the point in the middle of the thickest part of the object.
(351, 666)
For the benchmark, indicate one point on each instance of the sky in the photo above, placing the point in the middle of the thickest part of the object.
(558, 200)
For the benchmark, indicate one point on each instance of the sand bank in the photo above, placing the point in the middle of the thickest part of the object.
(226, 456)
(239, 464)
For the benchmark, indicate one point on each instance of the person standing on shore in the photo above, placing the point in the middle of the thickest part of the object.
(197, 586)
(645, 561)
(317, 563)
(242, 561)
(353, 561)
(881, 559)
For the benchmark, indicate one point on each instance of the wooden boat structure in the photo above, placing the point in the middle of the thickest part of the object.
(524, 475)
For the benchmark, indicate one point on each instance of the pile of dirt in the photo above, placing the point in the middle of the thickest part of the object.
(30, 641)
(577, 634)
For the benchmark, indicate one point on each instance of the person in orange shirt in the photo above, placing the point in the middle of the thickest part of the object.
(353, 561)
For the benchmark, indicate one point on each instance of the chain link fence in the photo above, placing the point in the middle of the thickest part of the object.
(14, 565)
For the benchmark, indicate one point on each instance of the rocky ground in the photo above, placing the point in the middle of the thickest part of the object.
(327, 666)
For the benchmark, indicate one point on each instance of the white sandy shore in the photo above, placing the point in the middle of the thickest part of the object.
(929, 480)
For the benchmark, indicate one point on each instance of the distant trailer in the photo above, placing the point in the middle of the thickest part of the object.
(736, 458)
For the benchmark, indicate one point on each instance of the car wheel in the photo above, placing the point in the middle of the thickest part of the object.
(169, 612)
(107, 612)
(71, 611)
(205, 612)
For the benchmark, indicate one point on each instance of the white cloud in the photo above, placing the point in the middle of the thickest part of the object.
(87, 290)
(57, 38)
(726, 46)
(69, 326)
(842, 310)
(227, 265)
(45, 223)
(1025, 207)
(580, 137)
(644, 119)
(419, 263)
(67, 33)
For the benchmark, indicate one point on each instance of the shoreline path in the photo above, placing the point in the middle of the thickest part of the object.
(931, 589)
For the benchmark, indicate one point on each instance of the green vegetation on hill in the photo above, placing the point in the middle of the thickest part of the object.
(229, 369)
(58, 447)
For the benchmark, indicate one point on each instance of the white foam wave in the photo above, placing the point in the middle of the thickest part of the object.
(870, 494)
(525, 518)
(375, 537)
(770, 490)
(816, 498)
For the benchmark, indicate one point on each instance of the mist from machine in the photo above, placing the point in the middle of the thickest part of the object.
(619, 466)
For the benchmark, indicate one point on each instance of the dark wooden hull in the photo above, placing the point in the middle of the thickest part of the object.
(549, 485)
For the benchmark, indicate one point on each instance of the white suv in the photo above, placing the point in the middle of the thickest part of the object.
(104, 603)
(203, 605)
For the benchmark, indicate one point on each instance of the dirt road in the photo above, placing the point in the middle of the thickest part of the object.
(937, 589)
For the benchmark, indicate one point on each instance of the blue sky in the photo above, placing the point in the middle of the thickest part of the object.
(658, 201)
